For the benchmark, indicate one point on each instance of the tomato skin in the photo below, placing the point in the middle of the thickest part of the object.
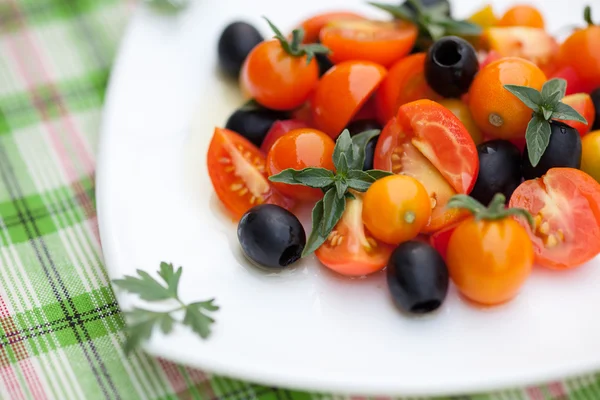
(491, 57)
(276, 79)
(497, 112)
(590, 158)
(580, 51)
(299, 149)
(381, 42)
(565, 204)
(522, 15)
(350, 250)
(278, 129)
(463, 113)
(237, 171)
(312, 26)
(439, 240)
(581, 102)
(341, 93)
(574, 83)
(489, 261)
(396, 208)
(405, 82)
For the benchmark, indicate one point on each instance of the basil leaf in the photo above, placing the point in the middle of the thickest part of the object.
(396, 11)
(343, 145)
(342, 166)
(552, 86)
(286, 176)
(567, 113)
(360, 180)
(378, 174)
(333, 208)
(546, 113)
(359, 142)
(553, 100)
(315, 240)
(315, 177)
(529, 96)
(538, 138)
(435, 31)
(341, 187)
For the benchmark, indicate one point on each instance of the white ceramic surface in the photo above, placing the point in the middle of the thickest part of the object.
(305, 328)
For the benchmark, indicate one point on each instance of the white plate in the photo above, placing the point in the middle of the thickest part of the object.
(306, 328)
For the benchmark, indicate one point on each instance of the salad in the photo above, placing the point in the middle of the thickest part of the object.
(445, 151)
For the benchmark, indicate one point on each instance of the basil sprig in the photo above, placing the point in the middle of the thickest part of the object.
(348, 159)
(546, 106)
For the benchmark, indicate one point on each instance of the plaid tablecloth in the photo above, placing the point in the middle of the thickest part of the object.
(61, 331)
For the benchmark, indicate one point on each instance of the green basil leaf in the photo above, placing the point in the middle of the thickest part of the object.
(315, 239)
(435, 31)
(458, 28)
(529, 96)
(396, 11)
(285, 176)
(546, 113)
(552, 86)
(378, 174)
(538, 138)
(342, 166)
(333, 208)
(359, 142)
(315, 177)
(552, 100)
(341, 187)
(350, 196)
(567, 113)
(359, 180)
(343, 146)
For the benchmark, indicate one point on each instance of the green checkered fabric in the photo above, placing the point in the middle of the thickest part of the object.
(61, 330)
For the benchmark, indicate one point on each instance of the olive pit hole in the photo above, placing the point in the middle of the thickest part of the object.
(425, 306)
(447, 54)
(290, 255)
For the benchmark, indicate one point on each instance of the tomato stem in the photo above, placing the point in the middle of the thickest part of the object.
(496, 210)
(295, 48)
(587, 15)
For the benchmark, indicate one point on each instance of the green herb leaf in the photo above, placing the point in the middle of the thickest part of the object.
(396, 11)
(333, 208)
(315, 177)
(342, 166)
(529, 96)
(315, 239)
(567, 113)
(360, 180)
(459, 28)
(168, 6)
(547, 114)
(556, 85)
(343, 145)
(198, 320)
(341, 186)
(537, 138)
(145, 286)
(552, 100)
(378, 174)
(359, 142)
(171, 277)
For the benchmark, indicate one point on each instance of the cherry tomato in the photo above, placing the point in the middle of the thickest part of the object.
(350, 249)
(484, 17)
(496, 111)
(299, 149)
(565, 204)
(381, 42)
(488, 260)
(574, 83)
(522, 15)
(237, 171)
(405, 82)
(582, 102)
(590, 158)
(396, 209)
(276, 79)
(580, 51)
(278, 129)
(489, 58)
(426, 141)
(463, 113)
(341, 93)
(313, 25)
(439, 240)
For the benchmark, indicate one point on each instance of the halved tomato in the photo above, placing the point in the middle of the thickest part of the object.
(237, 171)
(342, 92)
(565, 204)
(350, 250)
(426, 141)
(313, 25)
(381, 42)
(405, 82)
(278, 129)
(582, 102)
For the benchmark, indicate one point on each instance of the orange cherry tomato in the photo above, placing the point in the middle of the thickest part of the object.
(489, 261)
(426, 141)
(522, 15)
(565, 204)
(350, 249)
(463, 113)
(405, 82)
(582, 102)
(580, 51)
(313, 25)
(496, 111)
(381, 42)
(276, 79)
(237, 171)
(299, 149)
(396, 209)
(342, 92)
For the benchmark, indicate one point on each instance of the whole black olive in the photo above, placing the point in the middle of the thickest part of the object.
(254, 123)
(564, 150)
(450, 66)
(427, 4)
(596, 100)
(360, 126)
(235, 43)
(324, 62)
(499, 170)
(417, 277)
(271, 236)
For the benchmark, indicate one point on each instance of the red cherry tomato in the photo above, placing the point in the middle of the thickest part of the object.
(429, 143)
(405, 82)
(440, 239)
(278, 129)
(580, 51)
(342, 92)
(381, 42)
(489, 58)
(565, 204)
(313, 25)
(237, 171)
(574, 83)
(350, 249)
(582, 102)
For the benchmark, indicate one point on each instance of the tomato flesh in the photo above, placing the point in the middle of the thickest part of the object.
(350, 249)
(565, 204)
(237, 171)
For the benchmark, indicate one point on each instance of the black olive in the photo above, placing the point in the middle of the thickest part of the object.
(427, 4)
(499, 170)
(235, 43)
(596, 99)
(324, 62)
(417, 277)
(451, 66)
(564, 150)
(271, 236)
(360, 126)
(254, 123)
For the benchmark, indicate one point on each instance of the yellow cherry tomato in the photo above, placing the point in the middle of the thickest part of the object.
(462, 111)
(590, 157)
(485, 17)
